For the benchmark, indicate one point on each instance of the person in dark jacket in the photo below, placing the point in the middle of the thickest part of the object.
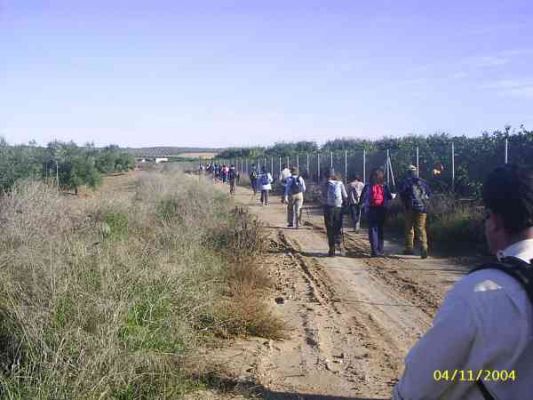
(375, 198)
(415, 194)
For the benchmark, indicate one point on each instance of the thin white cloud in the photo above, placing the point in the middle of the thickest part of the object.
(486, 61)
(512, 87)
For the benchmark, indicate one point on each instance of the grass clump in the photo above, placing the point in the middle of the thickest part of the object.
(107, 296)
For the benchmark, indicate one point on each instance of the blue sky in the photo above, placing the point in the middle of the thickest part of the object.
(222, 73)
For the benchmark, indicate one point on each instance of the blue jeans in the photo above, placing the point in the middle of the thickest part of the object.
(376, 220)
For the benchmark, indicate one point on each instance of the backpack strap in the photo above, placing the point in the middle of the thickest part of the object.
(484, 391)
(515, 267)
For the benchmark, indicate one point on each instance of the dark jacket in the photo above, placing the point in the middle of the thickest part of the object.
(406, 191)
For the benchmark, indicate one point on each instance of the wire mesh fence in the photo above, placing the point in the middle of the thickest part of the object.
(458, 166)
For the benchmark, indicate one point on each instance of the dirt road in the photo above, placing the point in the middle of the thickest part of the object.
(351, 318)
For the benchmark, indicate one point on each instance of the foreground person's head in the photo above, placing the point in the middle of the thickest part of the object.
(508, 198)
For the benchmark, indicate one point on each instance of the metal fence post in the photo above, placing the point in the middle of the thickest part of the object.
(298, 161)
(288, 161)
(331, 159)
(346, 166)
(364, 165)
(307, 164)
(317, 167)
(272, 165)
(417, 162)
(388, 173)
(506, 150)
(453, 167)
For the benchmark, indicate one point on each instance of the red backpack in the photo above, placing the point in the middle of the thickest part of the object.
(378, 197)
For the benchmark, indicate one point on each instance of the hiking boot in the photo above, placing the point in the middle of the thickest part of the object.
(290, 226)
(408, 252)
(424, 253)
(331, 252)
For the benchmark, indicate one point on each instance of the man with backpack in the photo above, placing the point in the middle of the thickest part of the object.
(333, 196)
(253, 178)
(355, 189)
(375, 198)
(264, 182)
(294, 197)
(415, 194)
(233, 176)
(481, 343)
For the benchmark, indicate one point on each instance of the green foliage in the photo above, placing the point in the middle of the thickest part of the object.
(115, 225)
(66, 164)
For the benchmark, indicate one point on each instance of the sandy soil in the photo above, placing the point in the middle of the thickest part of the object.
(351, 319)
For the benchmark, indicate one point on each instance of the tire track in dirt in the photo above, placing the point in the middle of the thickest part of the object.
(351, 319)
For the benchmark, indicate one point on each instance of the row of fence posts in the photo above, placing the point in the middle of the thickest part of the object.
(244, 165)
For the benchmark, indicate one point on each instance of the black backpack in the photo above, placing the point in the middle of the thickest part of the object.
(523, 273)
(419, 197)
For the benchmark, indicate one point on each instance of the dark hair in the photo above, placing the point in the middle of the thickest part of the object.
(508, 192)
(377, 176)
(358, 177)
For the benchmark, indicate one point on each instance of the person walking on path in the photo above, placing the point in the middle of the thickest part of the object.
(253, 178)
(355, 189)
(233, 177)
(294, 197)
(264, 182)
(284, 174)
(415, 194)
(375, 198)
(480, 345)
(333, 196)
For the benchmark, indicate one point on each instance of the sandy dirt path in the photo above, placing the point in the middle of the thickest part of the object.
(351, 319)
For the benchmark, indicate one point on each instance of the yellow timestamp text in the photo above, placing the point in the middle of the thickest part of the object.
(470, 375)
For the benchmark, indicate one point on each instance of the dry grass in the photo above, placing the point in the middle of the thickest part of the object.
(106, 297)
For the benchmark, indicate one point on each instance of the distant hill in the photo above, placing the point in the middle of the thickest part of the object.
(165, 151)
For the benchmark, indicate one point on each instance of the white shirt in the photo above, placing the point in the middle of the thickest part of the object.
(268, 178)
(485, 322)
(285, 173)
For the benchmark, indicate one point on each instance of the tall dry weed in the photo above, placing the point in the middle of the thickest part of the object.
(105, 297)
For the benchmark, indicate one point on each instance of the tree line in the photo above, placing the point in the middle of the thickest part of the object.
(63, 163)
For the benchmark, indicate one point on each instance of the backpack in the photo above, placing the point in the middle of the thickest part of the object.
(253, 175)
(232, 173)
(515, 267)
(333, 194)
(264, 179)
(419, 197)
(295, 186)
(353, 197)
(378, 196)
(523, 273)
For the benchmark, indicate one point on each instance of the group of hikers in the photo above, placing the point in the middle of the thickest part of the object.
(480, 345)
(222, 173)
(355, 199)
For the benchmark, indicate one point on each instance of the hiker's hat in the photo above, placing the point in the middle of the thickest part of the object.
(331, 172)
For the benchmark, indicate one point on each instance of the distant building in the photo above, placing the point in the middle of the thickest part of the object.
(161, 159)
